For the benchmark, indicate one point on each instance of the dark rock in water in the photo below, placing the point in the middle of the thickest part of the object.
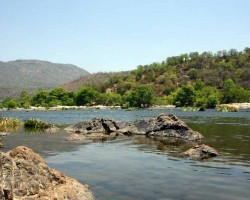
(167, 126)
(201, 152)
(25, 175)
(96, 125)
(162, 127)
(97, 128)
(3, 134)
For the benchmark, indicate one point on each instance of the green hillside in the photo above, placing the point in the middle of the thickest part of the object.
(201, 80)
(176, 71)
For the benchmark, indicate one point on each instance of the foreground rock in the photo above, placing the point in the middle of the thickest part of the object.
(201, 152)
(163, 127)
(25, 175)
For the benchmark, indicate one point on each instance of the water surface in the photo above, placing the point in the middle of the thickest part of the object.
(139, 168)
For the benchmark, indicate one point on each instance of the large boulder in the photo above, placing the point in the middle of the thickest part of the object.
(167, 126)
(96, 125)
(98, 128)
(201, 152)
(164, 126)
(25, 175)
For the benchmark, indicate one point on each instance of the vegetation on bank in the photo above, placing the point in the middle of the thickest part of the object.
(11, 124)
(189, 80)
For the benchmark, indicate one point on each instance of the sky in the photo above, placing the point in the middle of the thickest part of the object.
(119, 35)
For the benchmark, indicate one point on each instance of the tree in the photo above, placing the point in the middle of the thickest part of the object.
(85, 96)
(25, 99)
(233, 93)
(12, 104)
(40, 98)
(141, 96)
(184, 96)
(207, 97)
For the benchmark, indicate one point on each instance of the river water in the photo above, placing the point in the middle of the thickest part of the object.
(140, 168)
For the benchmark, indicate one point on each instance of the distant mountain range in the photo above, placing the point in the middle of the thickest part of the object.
(31, 75)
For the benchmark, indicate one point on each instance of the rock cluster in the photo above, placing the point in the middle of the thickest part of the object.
(25, 175)
(165, 127)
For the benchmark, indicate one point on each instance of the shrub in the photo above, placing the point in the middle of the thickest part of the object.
(36, 123)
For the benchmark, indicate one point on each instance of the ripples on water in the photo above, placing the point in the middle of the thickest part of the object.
(146, 169)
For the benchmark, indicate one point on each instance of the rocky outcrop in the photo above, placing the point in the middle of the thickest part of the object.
(97, 128)
(25, 175)
(167, 126)
(201, 152)
(162, 127)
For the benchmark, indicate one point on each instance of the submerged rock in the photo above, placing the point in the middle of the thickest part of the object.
(162, 127)
(53, 129)
(75, 138)
(201, 152)
(1, 145)
(25, 175)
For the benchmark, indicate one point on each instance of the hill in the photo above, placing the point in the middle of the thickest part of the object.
(212, 69)
(96, 80)
(31, 75)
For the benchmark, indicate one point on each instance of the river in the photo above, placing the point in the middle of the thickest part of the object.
(145, 169)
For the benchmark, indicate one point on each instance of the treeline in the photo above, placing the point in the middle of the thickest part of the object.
(198, 80)
(141, 96)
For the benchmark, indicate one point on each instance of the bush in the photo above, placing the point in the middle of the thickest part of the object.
(36, 123)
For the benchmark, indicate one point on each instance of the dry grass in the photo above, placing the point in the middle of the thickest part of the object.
(9, 124)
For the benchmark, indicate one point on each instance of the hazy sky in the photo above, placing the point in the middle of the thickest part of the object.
(117, 35)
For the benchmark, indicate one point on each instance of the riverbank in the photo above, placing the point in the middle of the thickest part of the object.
(57, 108)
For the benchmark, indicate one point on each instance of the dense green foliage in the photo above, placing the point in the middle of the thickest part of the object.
(189, 80)
(57, 96)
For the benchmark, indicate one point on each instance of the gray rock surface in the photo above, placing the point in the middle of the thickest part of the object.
(167, 126)
(164, 126)
(24, 175)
